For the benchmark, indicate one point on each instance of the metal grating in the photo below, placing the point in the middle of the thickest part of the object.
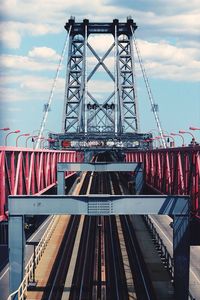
(100, 207)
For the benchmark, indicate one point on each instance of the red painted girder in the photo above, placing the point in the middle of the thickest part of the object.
(26, 171)
(172, 171)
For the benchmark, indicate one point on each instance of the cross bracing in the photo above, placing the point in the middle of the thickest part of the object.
(113, 114)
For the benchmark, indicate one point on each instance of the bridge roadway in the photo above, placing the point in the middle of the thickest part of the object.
(4, 274)
(160, 279)
(165, 231)
(162, 224)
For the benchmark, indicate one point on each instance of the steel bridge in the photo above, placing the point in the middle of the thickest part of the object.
(30, 179)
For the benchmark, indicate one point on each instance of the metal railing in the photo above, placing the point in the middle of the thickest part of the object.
(166, 258)
(34, 261)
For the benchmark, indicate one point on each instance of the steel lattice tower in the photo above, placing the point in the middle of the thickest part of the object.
(116, 116)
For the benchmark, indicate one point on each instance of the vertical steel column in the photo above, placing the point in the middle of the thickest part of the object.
(16, 251)
(61, 183)
(85, 77)
(139, 179)
(75, 84)
(67, 82)
(181, 249)
(128, 121)
(116, 86)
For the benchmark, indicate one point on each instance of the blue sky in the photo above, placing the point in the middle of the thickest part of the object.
(32, 38)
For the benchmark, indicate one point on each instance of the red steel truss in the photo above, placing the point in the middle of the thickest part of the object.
(168, 171)
(172, 171)
(28, 172)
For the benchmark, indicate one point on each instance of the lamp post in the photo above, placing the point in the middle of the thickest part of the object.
(38, 138)
(158, 139)
(177, 134)
(154, 139)
(194, 128)
(5, 129)
(33, 137)
(41, 143)
(169, 136)
(6, 137)
(192, 135)
(24, 134)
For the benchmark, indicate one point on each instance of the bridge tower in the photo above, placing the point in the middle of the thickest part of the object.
(111, 117)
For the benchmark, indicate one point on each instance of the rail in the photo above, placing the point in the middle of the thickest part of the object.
(34, 261)
(172, 171)
(27, 172)
(162, 250)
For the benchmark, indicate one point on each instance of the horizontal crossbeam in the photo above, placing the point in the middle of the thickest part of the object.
(97, 28)
(98, 167)
(98, 205)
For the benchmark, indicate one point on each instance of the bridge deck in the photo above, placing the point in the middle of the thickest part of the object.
(158, 274)
(43, 269)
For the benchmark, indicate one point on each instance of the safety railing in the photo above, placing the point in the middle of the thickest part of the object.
(160, 247)
(166, 258)
(172, 171)
(28, 172)
(34, 261)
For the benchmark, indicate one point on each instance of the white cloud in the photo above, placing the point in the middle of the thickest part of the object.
(161, 59)
(101, 43)
(12, 32)
(10, 38)
(44, 53)
(9, 94)
(26, 87)
(165, 52)
(44, 17)
(99, 86)
(182, 24)
(42, 85)
(161, 7)
(169, 62)
(17, 62)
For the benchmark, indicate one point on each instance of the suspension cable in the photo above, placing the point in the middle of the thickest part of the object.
(46, 111)
(150, 94)
(116, 81)
(86, 82)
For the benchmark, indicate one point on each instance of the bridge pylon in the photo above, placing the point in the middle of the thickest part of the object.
(90, 117)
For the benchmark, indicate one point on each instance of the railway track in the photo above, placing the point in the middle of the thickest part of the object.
(108, 263)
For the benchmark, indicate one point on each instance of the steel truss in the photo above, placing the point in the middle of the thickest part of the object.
(174, 171)
(29, 172)
(85, 117)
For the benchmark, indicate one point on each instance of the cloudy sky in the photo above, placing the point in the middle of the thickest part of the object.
(33, 35)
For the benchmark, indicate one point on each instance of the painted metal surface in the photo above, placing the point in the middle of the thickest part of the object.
(135, 168)
(181, 255)
(16, 250)
(28, 172)
(98, 205)
(104, 205)
(98, 167)
(115, 114)
(173, 171)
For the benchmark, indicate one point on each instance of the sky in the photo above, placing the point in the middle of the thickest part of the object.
(32, 38)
